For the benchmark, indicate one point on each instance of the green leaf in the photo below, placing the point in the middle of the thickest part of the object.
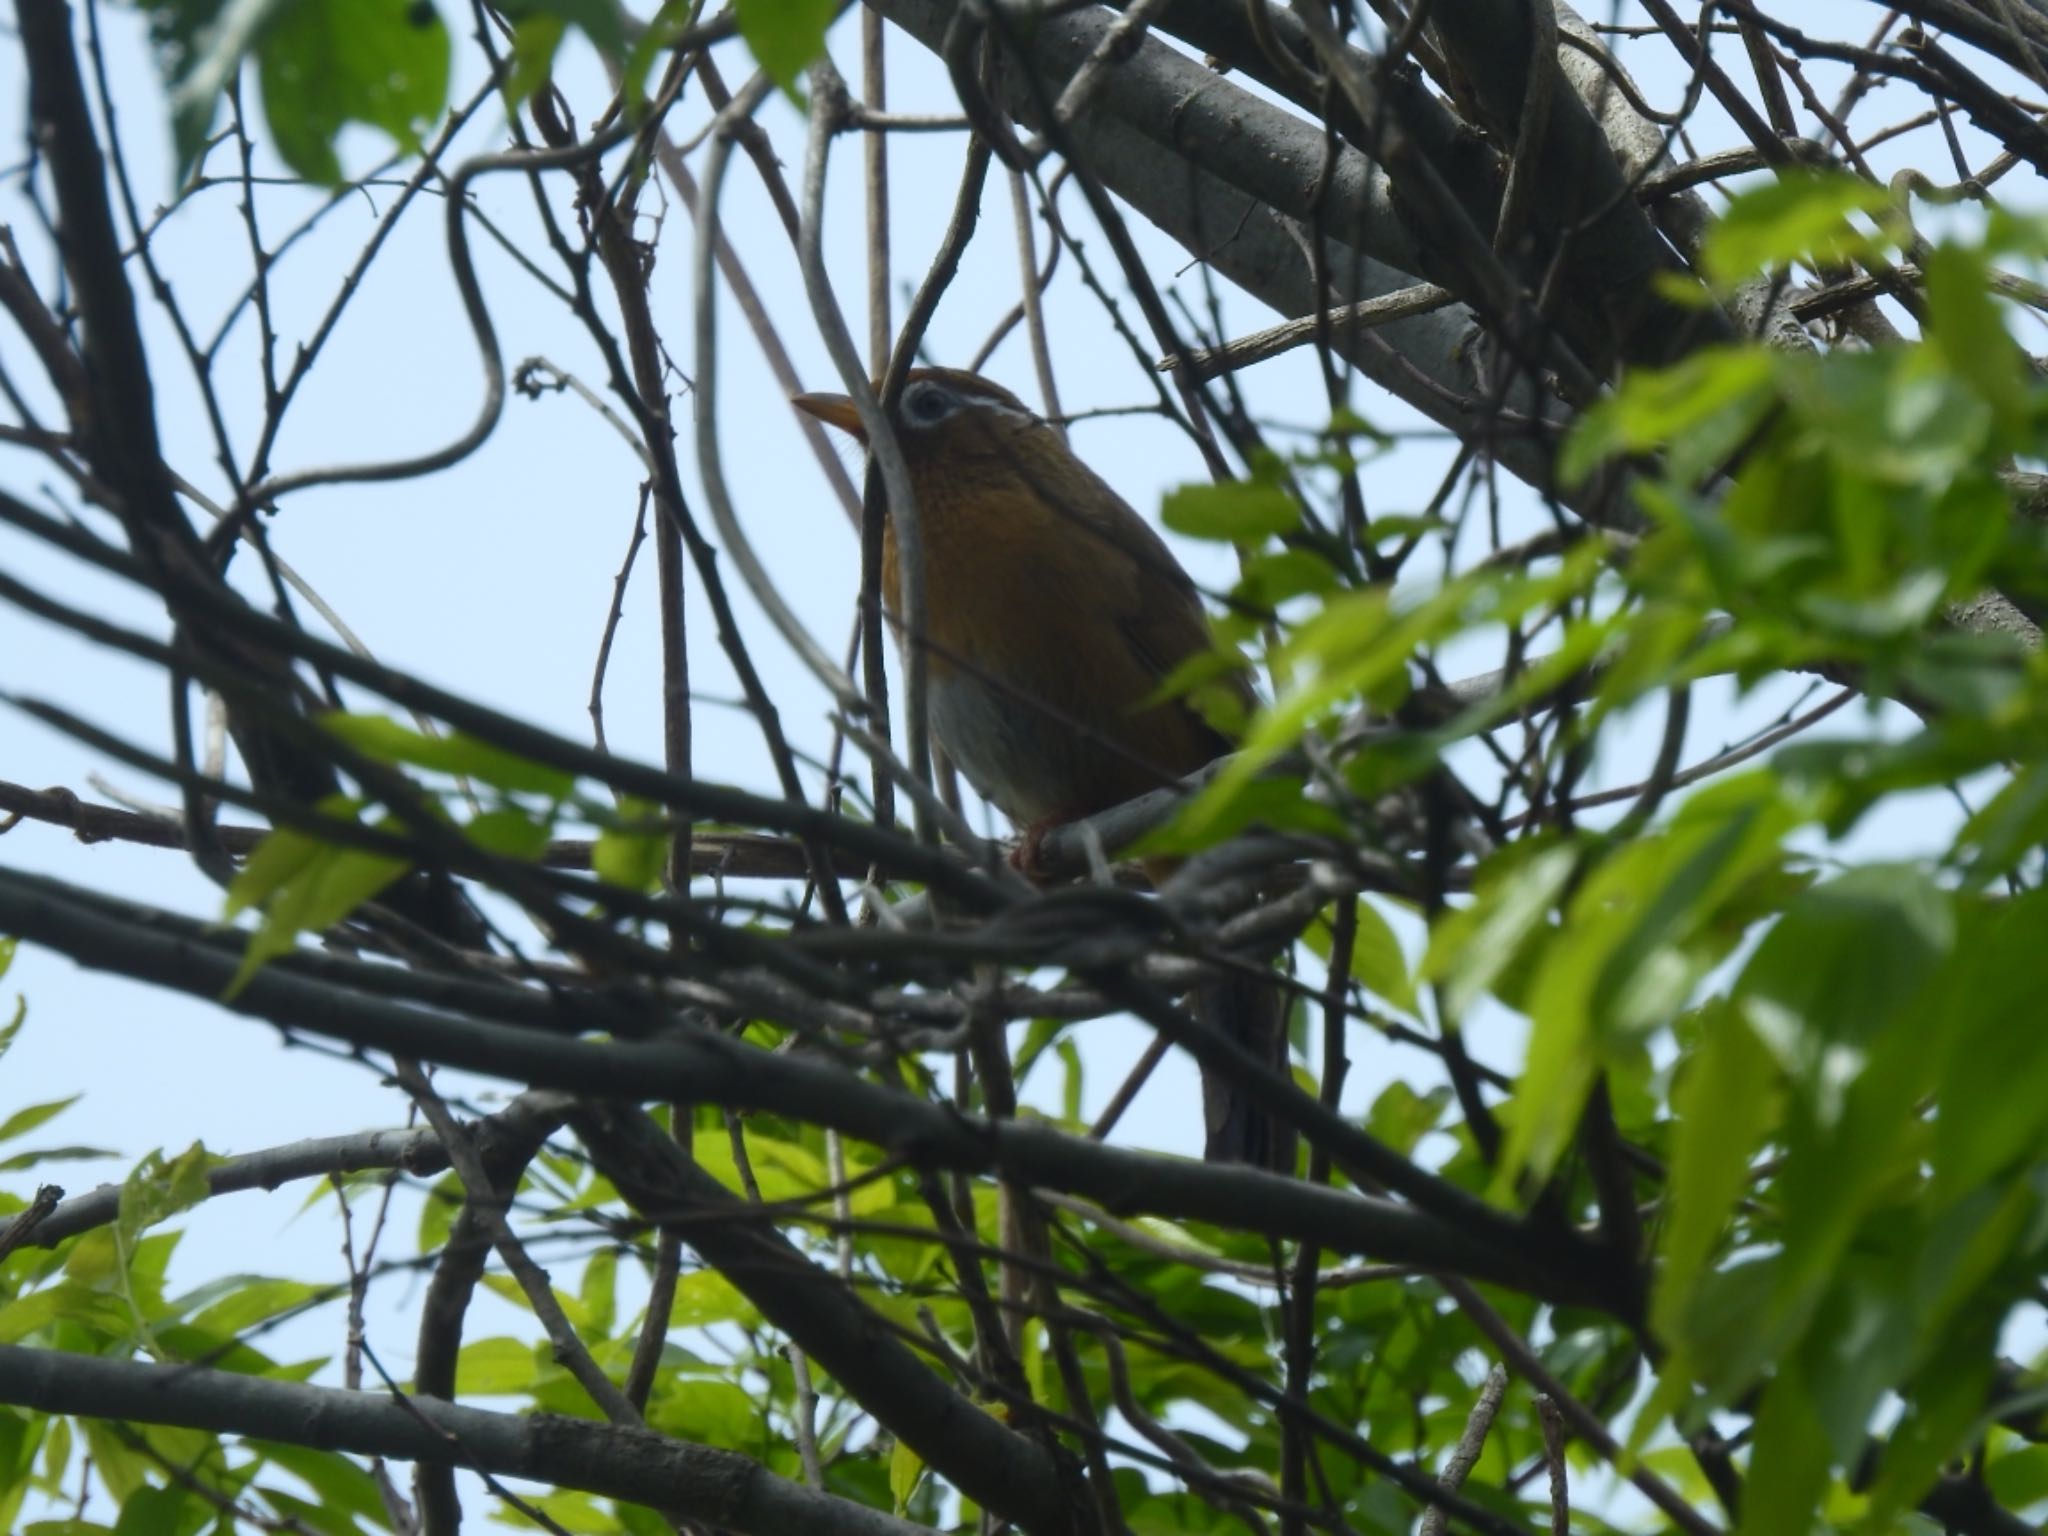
(14, 1021)
(1639, 933)
(438, 1210)
(153, 1512)
(1358, 648)
(599, 1290)
(708, 1412)
(1890, 418)
(906, 1470)
(495, 1368)
(1847, 960)
(1071, 1079)
(202, 44)
(782, 1171)
(124, 1467)
(38, 1156)
(703, 1297)
(577, 1514)
(328, 63)
(1701, 405)
(510, 833)
(1965, 325)
(1470, 949)
(304, 886)
(1724, 1101)
(253, 1301)
(538, 27)
(1790, 1465)
(323, 64)
(1277, 803)
(1401, 1117)
(535, 41)
(304, 1515)
(1273, 576)
(2019, 1478)
(1798, 215)
(1946, 1403)
(632, 851)
(1378, 961)
(1984, 1127)
(671, 21)
(785, 35)
(457, 752)
(22, 1121)
(158, 1189)
(74, 1305)
(280, 858)
(2008, 828)
(1238, 511)
(338, 1481)
(1842, 992)
(1039, 1034)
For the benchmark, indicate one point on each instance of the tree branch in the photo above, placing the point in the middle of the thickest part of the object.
(721, 1488)
(698, 1065)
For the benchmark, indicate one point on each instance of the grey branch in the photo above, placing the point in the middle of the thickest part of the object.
(705, 1067)
(1465, 1455)
(719, 1488)
(1207, 362)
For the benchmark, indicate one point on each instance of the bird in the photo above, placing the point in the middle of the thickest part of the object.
(1053, 612)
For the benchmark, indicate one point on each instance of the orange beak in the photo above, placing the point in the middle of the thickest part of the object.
(834, 411)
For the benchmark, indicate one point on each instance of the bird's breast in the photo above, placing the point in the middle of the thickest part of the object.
(1036, 691)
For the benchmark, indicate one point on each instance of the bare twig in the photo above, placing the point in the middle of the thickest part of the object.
(709, 450)
(1465, 1454)
(1208, 362)
(1553, 1456)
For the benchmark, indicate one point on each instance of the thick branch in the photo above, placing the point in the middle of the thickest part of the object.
(1588, 213)
(702, 1066)
(119, 432)
(721, 1488)
(735, 855)
(1135, 141)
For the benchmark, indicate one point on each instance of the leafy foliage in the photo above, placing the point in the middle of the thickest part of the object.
(785, 35)
(323, 64)
(1772, 1154)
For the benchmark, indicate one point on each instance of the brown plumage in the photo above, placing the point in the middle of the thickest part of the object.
(1053, 612)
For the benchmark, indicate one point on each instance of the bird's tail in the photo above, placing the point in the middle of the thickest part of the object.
(1252, 1012)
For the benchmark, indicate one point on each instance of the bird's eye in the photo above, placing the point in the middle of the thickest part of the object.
(925, 403)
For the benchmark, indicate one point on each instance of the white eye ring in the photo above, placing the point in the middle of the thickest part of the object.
(926, 404)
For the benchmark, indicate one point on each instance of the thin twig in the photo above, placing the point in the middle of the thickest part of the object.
(828, 101)
(710, 456)
(1465, 1454)
(1208, 362)
(490, 1203)
(1516, 1352)
(1553, 1456)
(1031, 299)
(875, 162)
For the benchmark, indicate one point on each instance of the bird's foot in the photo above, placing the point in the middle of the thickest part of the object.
(1028, 857)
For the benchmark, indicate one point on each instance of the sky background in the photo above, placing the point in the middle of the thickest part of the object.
(494, 578)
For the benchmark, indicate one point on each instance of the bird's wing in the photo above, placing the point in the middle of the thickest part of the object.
(1162, 616)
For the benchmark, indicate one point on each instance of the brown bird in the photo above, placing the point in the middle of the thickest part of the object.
(1053, 613)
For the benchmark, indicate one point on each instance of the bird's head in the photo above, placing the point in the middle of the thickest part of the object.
(947, 416)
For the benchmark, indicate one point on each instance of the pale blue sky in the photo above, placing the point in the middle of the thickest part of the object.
(494, 578)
